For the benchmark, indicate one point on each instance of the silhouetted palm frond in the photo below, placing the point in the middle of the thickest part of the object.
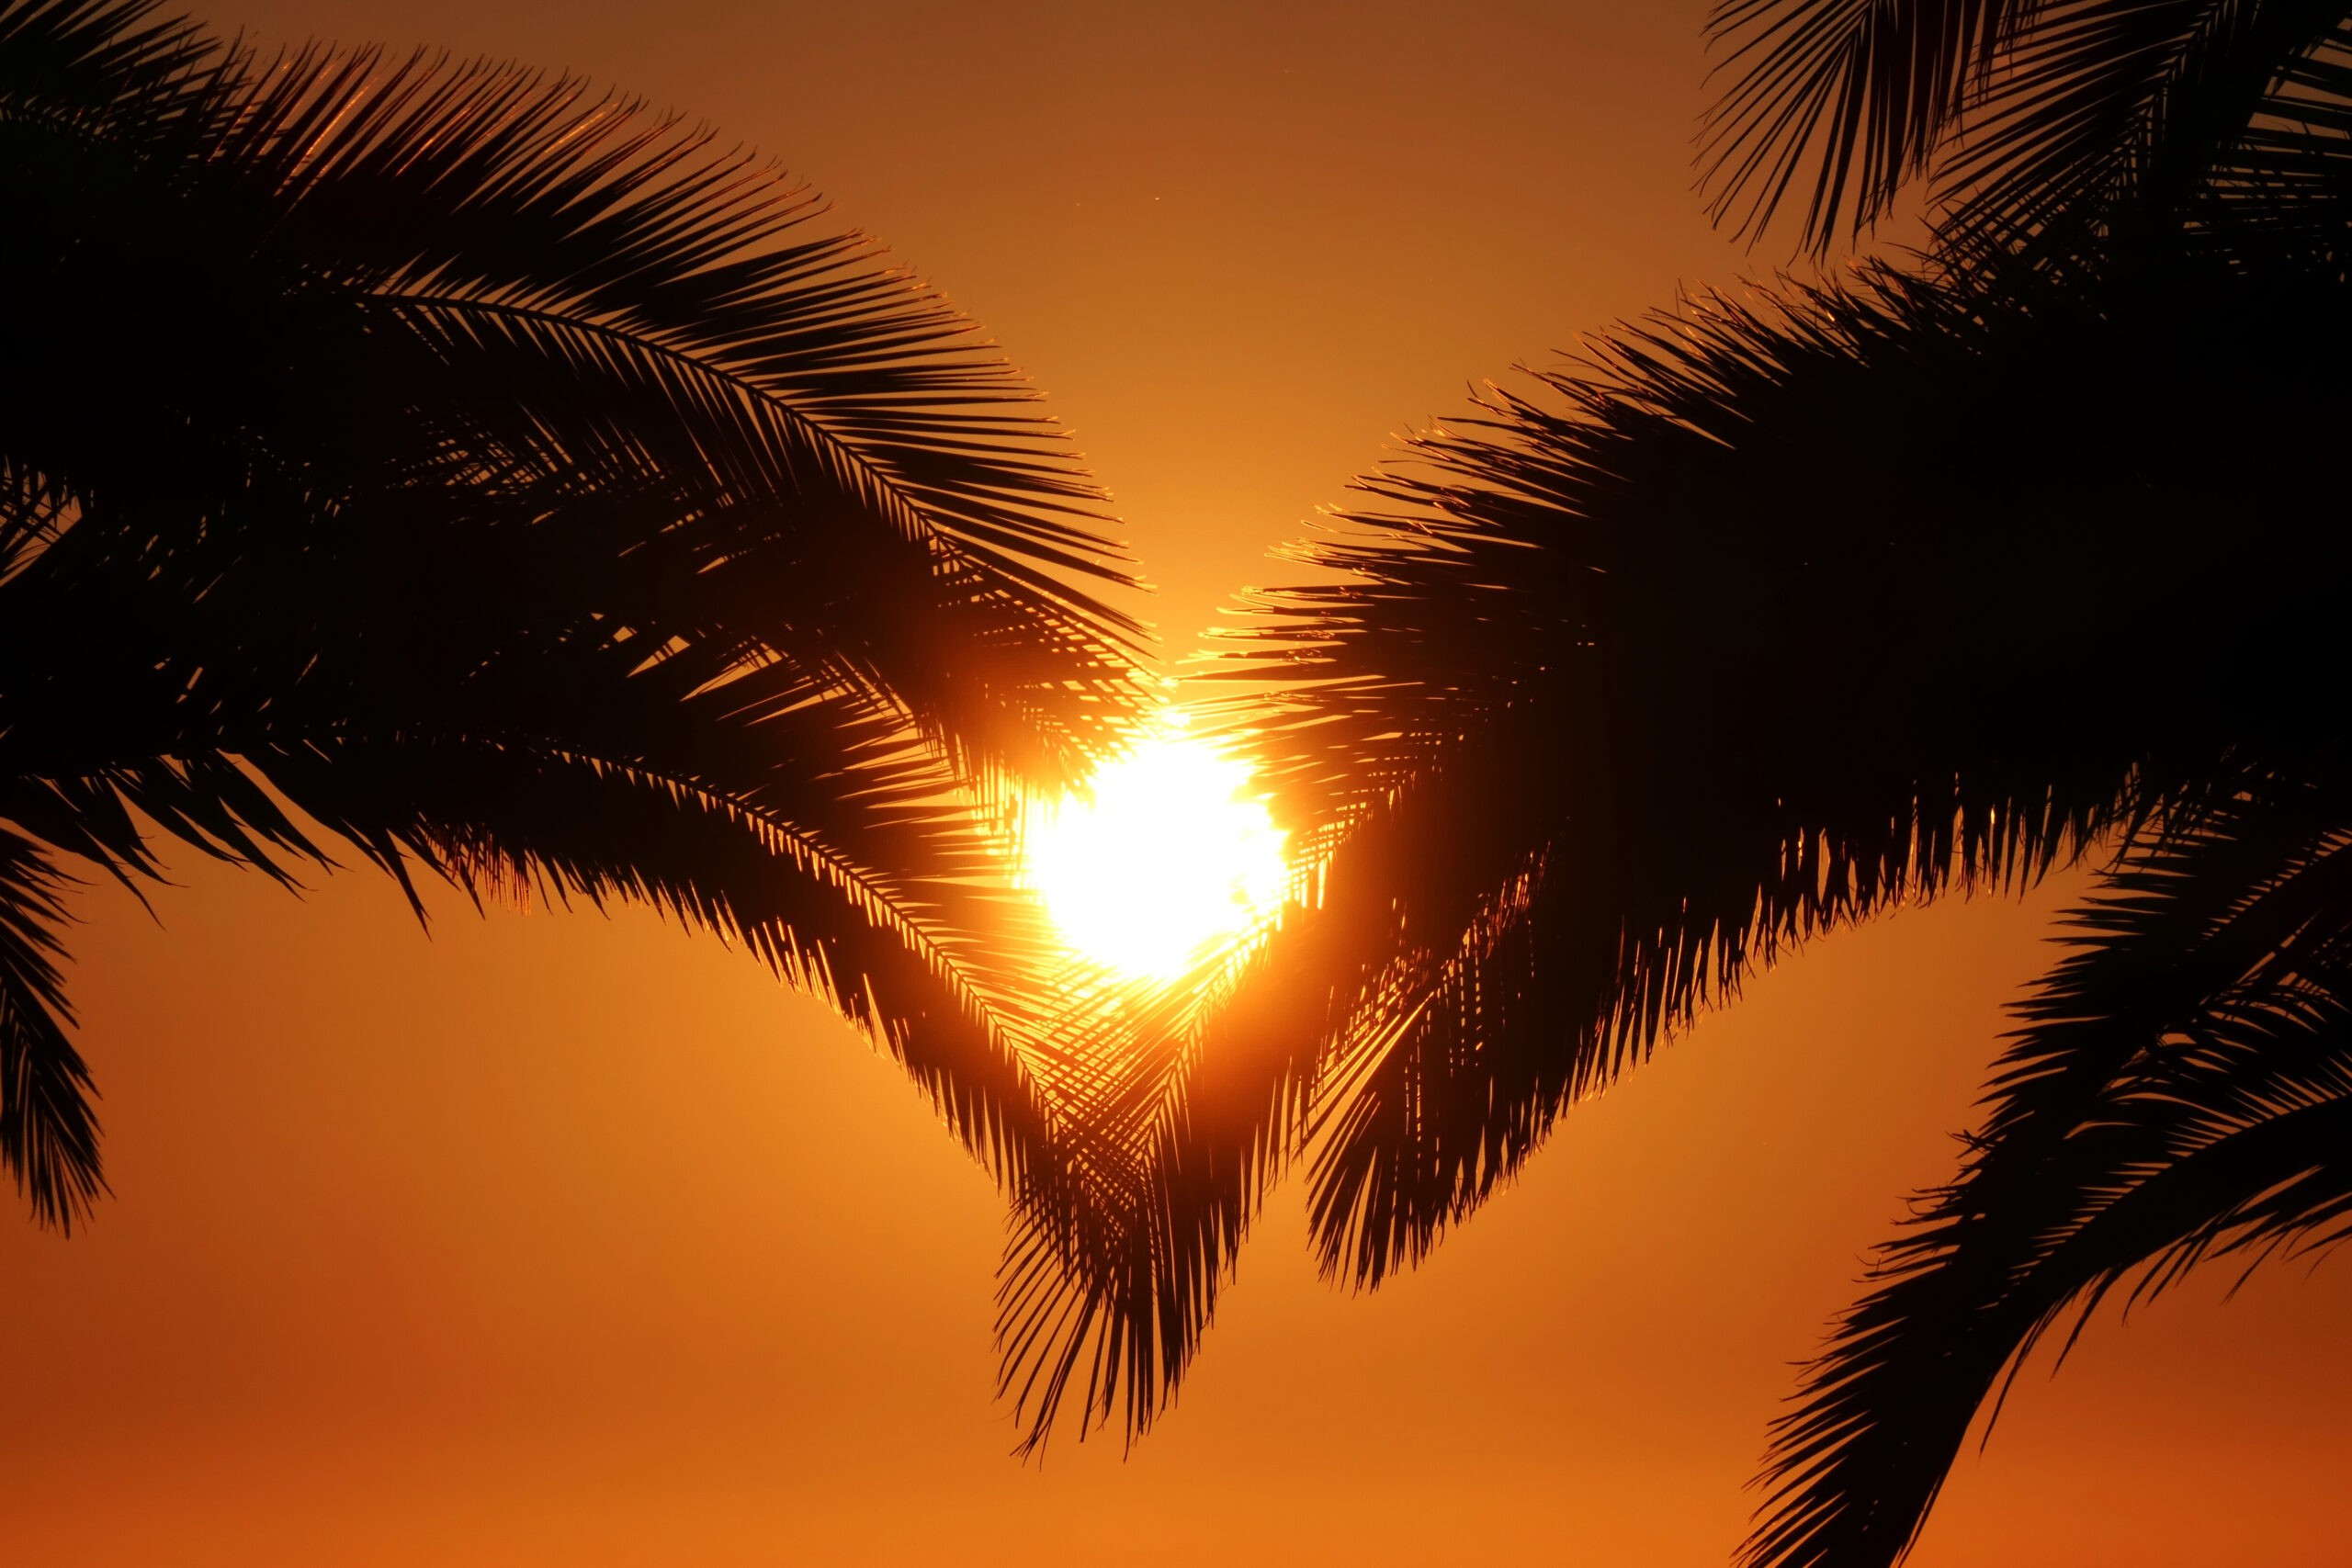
(2272, 193)
(1647, 694)
(1758, 621)
(2057, 125)
(48, 1135)
(1868, 89)
(518, 488)
(1762, 619)
(2182, 1090)
(1177, 1109)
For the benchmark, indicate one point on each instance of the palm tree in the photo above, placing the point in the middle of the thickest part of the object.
(480, 473)
(1761, 619)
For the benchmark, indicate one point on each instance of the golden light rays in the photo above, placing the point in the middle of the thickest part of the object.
(1172, 856)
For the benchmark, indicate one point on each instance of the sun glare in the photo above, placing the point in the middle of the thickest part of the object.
(1170, 857)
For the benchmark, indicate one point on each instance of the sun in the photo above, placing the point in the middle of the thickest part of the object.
(1171, 856)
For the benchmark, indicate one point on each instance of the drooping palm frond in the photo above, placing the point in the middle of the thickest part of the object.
(2198, 135)
(2275, 194)
(1640, 684)
(1867, 89)
(123, 65)
(543, 283)
(48, 1136)
(2182, 1090)
(1756, 622)
(1760, 710)
(523, 491)
(2050, 124)
(1177, 1111)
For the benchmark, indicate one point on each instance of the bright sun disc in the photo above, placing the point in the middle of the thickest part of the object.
(1170, 856)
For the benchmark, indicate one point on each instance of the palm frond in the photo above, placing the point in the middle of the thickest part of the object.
(48, 1133)
(2125, 136)
(1866, 90)
(114, 65)
(522, 280)
(887, 916)
(1178, 1106)
(2275, 198)
(1627, 694)
(482, 473)
(1615, 801)
(2062, 127)
(2182, 1090)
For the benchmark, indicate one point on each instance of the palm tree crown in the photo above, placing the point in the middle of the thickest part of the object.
(499, 480)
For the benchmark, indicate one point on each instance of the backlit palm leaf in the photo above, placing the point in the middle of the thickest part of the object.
(524, 491)
(2182, 1090)
(1758, 621)
(2063, 126)
(1634, 688)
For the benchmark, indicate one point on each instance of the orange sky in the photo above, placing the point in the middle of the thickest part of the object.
(561, 1240)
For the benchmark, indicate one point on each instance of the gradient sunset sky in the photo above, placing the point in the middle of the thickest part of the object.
(560, 1239)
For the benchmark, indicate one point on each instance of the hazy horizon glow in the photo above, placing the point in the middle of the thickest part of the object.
(1172, 854)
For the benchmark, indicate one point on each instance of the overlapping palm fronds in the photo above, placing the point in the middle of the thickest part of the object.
(2182, 1091)
(520, 490)
(1758, 620)
(2070, 130)
(1629, 692)
(1178, 1106)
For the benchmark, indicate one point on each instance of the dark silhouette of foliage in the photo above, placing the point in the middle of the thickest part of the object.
(2056, 126)
(1761, 618)
(523, 491)
(2182, 1091)
(1635, 698)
